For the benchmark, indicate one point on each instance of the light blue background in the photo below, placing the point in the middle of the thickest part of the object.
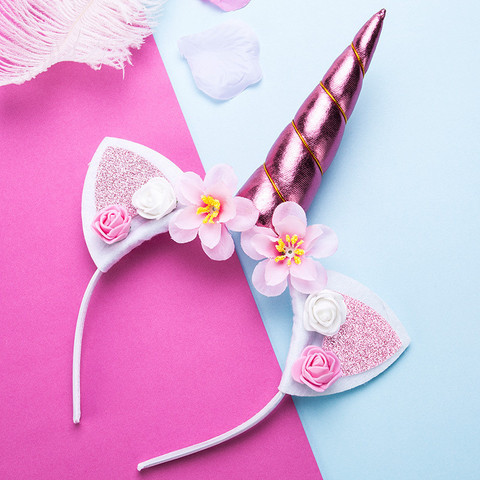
(402, 195)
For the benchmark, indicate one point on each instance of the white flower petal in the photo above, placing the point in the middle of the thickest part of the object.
(223, 59)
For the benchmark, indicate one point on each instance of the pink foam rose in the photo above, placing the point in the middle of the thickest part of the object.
(288, 252)
(112, 223)
(317, 368)
(211, 210)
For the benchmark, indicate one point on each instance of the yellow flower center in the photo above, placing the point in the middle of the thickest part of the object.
(211, 208)
(289, 250)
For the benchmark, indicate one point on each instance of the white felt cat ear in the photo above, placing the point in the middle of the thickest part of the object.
(133, 186)
(368, 341)
(128, 197)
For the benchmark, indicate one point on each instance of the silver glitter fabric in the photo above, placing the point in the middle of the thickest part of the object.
(120, 174)
(364, 341)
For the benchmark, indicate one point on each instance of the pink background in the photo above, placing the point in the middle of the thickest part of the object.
(174, 348)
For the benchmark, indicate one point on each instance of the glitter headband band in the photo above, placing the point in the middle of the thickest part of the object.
(343, 335)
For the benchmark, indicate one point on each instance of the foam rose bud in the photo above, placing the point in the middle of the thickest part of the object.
(316, 368)
(324, 312)
(155, 199)
(112, 223)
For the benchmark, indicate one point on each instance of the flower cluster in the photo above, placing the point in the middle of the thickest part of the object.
(324, 312)
(287, 252)
(153, 201)
(211, 210)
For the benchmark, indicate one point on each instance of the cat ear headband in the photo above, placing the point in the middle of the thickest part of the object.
(343, 334)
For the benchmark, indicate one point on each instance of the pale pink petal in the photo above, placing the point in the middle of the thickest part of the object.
(288, 209)
(189, 189)
(220, 191)
(307, 270)
(258, 280)
(264, 245)
(181, 235)
(290, 225)
(246, 240)
(188, 219)
(311, 286)
(275, 272)
(221, 173)
(320, 241)
(224, 249)
(210, 233)
(228, 209)
(246, 215)
(230, 5)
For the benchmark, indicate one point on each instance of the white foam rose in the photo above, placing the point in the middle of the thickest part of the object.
(324, 312)
(154, 199)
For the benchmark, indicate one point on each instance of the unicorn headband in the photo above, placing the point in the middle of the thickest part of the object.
(343, 334)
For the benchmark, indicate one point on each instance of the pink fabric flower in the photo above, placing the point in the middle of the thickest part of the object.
(287, 252)
(317, 368)
(230, 5)
(112, 223)
(211, 210)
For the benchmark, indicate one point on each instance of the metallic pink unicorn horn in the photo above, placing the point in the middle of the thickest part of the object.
(293, 171)
(306, 147)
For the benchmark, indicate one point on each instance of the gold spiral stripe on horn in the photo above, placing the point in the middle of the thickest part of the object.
(273, 183)
(307, 147)
(358, 58)
(334, 101)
